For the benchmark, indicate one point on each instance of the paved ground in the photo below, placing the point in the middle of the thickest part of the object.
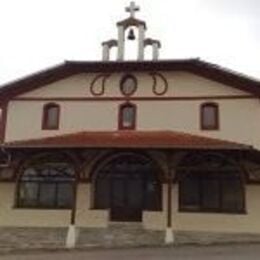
(234, 252)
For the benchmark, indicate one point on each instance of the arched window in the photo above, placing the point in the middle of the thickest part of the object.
(46, 185)
(210, 183)
(127, 116)
(51, 116)
(209, 113)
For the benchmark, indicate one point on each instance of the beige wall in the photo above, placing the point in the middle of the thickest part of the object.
(239, 118)
(13, 217)
(86, 217)
(208, 222)
(240, 223)
(180, 84)
(9, 216)
(156, 220)
(25, 118)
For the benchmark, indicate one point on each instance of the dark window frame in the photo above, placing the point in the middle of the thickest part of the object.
(203, 125)
(221, 178)
(40, 181)
(121, 125)
(122, 82)
(45, 117)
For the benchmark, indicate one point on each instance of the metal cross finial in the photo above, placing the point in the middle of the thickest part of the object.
(132, 9)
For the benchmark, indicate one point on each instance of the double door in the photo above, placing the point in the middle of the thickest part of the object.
(126, 198)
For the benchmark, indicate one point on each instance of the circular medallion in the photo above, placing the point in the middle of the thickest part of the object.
(128, 85)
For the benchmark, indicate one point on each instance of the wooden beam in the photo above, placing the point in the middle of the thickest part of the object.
(169, 203)
(3, 120)
(169, 189)
(74, 205)
(169, 237)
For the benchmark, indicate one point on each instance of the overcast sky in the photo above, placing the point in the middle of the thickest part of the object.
(36, 34)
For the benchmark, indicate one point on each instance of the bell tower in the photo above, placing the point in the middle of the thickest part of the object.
(131, 22)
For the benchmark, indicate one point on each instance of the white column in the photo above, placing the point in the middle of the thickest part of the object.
(169, 236)
(71, 237)
(141, 38)
(105, 52)
(121, 43)
(155, 51)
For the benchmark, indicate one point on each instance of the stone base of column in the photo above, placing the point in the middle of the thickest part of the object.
(71, 237)
(169, 236)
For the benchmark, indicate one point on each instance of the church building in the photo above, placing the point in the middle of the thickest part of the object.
(129, 152)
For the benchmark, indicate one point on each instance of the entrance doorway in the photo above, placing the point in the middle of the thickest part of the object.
(127, 184)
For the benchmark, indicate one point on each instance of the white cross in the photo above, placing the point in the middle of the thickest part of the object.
(132, 9)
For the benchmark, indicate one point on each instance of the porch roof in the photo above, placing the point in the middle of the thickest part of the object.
(129, 139)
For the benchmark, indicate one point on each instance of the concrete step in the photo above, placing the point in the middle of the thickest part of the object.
(119, 234)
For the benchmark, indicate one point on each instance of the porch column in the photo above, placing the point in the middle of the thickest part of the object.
(169, 237)
(72, 231)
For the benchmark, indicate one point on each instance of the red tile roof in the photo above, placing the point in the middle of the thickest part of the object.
(128, 139)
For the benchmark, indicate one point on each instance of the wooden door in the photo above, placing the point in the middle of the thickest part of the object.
(126, 200)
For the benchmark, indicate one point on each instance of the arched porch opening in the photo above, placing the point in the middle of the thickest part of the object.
(127, 184)
(48, 181)
(211, 182)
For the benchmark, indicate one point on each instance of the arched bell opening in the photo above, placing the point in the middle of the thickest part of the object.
(127, 184)
(131, 43)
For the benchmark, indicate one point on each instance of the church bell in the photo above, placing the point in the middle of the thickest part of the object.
(131, 35)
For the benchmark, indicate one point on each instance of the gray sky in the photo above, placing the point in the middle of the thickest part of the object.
(35, 34)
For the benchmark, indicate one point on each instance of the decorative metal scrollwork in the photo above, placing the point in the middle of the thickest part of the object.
(155, 76)
(94, 86)
(5, 159)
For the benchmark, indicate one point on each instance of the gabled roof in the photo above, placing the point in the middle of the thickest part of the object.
(196, 66)
(131, 21)
(129, 139)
